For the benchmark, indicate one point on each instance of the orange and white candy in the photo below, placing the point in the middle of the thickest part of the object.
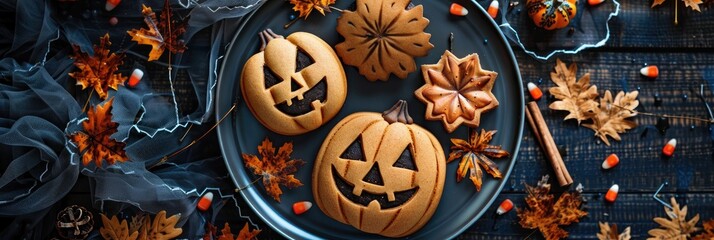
(611, 194)
(595, 2)
(610, 162)
(668, 149)
(493, 9)
(650, 71)
(535, 92)
(205, 202)
(136, 77)
(301, 207)
(505, 207)
(111, 4)
(458, 10)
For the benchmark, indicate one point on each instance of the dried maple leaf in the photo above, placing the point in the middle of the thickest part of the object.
(576, 97)
(162, 34)
(305, 7)
(677, 226)
(210, 232)
(610, 119)
(112, 229)
(95, 143)
(457, 91)
(609, 232)
(275, 169)
(383, 37)
(475, 153)
(244, 234)
(694, 4)
(98, 71)
(546, 214)
(708, 233)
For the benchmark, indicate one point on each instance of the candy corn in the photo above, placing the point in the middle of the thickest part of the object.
(668, 149)
(610, 162)
(650, 71)
(536, 93)
(301, 207)
(458, 10)
(611, 194)
(111, 4)
(505, 207)
(493, 9)
(205, 202)
(595, 2)
(135, 77)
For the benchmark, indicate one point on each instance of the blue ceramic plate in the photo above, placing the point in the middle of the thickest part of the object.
(460, 204)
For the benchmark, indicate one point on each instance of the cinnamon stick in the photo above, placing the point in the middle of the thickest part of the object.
(545, 139)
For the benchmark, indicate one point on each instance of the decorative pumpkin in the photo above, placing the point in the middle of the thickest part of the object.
(551, 14)
(295, 84)
(380, 173)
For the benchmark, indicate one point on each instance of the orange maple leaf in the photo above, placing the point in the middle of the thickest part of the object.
(162, 34)
(546, 214)
(98, 71)
(305, 7)
(275, 169)
(244, 234)
(474, 153)
(95, 143)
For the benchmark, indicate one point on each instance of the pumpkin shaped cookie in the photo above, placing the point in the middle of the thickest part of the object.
(382, 37)
(294, 84)
(551, 14)
(380, 173)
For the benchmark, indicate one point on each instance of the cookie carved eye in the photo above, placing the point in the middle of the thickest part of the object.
(406, 160)
(354, 151)
(302, 60)
(271, 79)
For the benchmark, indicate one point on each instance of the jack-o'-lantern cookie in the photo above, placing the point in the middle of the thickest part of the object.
(457, 90)
(294, 84)
(382, 37)
(380, 173)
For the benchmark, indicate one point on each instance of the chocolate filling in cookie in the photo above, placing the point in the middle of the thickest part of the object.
(298, 107)
(374, 176)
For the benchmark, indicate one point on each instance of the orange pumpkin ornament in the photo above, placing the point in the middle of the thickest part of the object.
(380, 173)
(551, 14)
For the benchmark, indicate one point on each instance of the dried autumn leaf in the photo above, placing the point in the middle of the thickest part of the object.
(383, 37)
(164, 228)
(210, 232)
(95, 143)
(112, 229)
(457, 91)
(677, 226)
(610, 119)
(305, 7)
(162, 34)
(546, 215)
(244, 234)
(609, 232)
(694, 4)
(577, 97)
(98, 71)
(475, 153)
(275, 169)
(708, 233)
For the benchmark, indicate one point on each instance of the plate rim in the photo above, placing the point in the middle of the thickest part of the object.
(466, 224)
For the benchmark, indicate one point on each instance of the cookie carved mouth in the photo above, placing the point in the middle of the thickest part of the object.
(365, 198)
(304, 106)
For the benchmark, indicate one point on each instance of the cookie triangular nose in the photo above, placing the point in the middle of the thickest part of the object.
(374, 176)
(294, 85)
